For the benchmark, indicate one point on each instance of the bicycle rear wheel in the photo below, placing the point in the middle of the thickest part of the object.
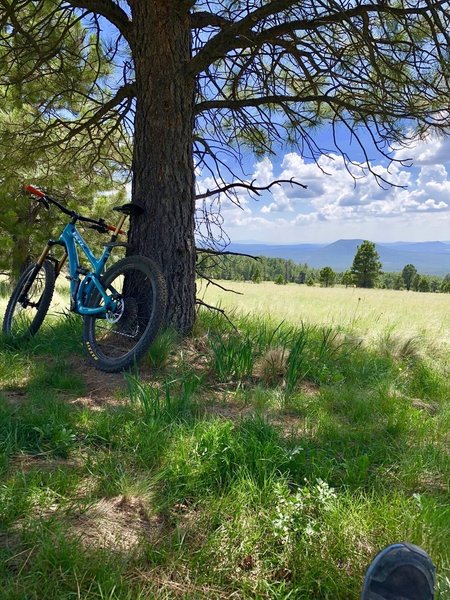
(30, 301)
(121, 339)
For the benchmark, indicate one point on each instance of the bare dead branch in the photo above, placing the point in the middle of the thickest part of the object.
(212, 282)
(225, 253)
(250, 187)
(217, 309)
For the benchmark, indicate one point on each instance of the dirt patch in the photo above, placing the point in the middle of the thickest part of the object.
(432, 482)
(14, 398)
(290, 424)
(117, 524)
(230, 410)
(223, 404)
(11, 543)
(308, 388)
(101, 388)
(28, 462)
(428, 407)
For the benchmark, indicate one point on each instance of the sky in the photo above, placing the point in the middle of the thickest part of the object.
(335, 206)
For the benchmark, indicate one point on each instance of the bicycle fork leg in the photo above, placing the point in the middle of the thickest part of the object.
(34, 272)
(43, 256)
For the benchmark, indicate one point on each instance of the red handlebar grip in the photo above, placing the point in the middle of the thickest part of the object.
(113, 228)
(33, 190)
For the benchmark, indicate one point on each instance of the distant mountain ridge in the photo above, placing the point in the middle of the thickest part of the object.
(429, 258)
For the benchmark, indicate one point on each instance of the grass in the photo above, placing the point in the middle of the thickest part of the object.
(263, 461)
(370, 313)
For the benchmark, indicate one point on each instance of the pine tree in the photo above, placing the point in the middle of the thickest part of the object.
(347, 278)
(366, 267)
(408, 273)
(327, 277)
(198, 82)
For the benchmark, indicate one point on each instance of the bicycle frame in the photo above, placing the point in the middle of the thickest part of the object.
(70, 238)
(79, 289)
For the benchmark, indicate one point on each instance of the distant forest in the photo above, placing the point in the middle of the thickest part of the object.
(282, 271)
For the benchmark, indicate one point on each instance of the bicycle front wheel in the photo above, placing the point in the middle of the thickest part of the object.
(120, 338)
(30, 301)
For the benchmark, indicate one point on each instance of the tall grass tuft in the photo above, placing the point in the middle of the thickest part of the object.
(233, 356)
(5, 289)
(163, 346)
(296, 364)
(400, 348)
(270, 368)
(170, 401)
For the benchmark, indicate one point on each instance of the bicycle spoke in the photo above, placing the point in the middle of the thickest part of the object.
(24, 309)
(119, 333)
(121, 336)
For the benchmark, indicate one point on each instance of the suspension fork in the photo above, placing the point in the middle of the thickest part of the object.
(40, 261)
(31, 277)
(43, 256)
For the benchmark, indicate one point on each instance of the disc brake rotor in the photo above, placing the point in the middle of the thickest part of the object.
(113, 316)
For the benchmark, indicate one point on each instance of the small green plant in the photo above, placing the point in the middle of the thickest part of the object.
(171, 400)
(296, 364)
(5, 289)
(162, 348)
(300, 514)
(233, 356)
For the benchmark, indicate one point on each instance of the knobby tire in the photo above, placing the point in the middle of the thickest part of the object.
(15, 311)
(143, 315)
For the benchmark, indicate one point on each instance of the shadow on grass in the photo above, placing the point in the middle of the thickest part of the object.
(247, 508)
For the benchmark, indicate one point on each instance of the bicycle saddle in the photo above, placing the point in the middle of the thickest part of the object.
(130, 209)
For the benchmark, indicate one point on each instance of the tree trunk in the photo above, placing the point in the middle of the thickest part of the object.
(20, 257)
(163, 171)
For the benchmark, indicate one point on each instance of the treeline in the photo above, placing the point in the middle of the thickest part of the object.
(243, 268)
(419, 283)
(283, 271)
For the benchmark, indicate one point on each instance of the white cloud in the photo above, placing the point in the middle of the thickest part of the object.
(337, 195)
(433, 149)
(433, 205)
(340, 202)
(263, 173)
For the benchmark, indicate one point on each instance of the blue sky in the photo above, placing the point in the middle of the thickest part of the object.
(334, 206)
(416, 208)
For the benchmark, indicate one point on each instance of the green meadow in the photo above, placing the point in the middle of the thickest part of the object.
(368, 312)
(267, 457)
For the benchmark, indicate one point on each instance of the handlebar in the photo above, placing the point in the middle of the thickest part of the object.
(99, 225)
(34, 190)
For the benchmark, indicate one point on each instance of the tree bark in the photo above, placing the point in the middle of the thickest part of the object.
(20, 257)
(163, 168)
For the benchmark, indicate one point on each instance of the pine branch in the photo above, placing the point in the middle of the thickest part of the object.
(244, 33)
(225, 253)
(202, 19)
(249, 186)
(126, 92)
(110, 10)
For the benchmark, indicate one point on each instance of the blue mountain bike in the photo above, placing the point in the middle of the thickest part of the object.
(123, 307)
